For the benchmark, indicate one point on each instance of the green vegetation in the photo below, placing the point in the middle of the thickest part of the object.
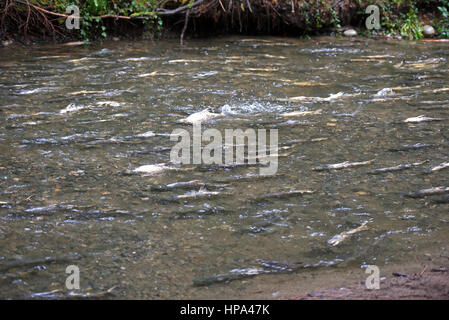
(92, 10)
(411, 27)
(401, 17)
(443, 23)
(103, 18)
(98, 18)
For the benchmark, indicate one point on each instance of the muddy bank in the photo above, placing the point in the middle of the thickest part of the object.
(431, 282)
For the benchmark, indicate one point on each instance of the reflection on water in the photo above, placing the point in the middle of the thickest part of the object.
(76, 121)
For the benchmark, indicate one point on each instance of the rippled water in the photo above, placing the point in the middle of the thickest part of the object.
(72, 121)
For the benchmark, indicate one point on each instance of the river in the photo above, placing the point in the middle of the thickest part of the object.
(75, 120)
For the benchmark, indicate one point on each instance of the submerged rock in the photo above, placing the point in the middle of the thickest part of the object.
(6, 43)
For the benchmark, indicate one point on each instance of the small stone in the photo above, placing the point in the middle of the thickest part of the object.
(115, 38)
(428, 31)
(350, 33)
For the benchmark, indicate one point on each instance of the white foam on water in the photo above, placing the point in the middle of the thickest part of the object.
(251, 108)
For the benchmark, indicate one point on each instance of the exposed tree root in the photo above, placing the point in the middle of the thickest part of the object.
(206, 16)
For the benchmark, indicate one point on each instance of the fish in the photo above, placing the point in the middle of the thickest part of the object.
(156, 73)
(200, 116)
(112, 140)
(436, 90)
(262, 69)
(298, 141)
(301, 113)
(421, 65)
(309, 84)
(147, 134)
(151, 169)
(289, 123)
(185, 61)
(74, 43)
(255, 40)
(234, 274)
(436, 40)
(421, 118)
(86, 92)
(30, 262)
(365, 59)
(282, 195)
(267, 266)
(339, 238)
(378, 56)
(202, 211)
(316, 99)
(428, 192)
(407, 87)
(62, 295)
(186, 185)
(398, 167)
(175, 185)
(138, 59)
(280, 266)
(273, 57)
(384, 92)
(247, 177)
(193, 195)
(343, 165)
(72, 108)
(254, 74)
(202, 193)
(108, 103)
(81, 59)
(415, 146)
(390, 99)
(439, 167)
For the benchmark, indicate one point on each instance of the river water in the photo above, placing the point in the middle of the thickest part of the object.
(73, 123)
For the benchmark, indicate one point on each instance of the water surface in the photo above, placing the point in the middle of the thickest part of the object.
(70, 124)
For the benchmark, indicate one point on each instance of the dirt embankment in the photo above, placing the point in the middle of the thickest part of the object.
(429, 283)
(28, 21)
